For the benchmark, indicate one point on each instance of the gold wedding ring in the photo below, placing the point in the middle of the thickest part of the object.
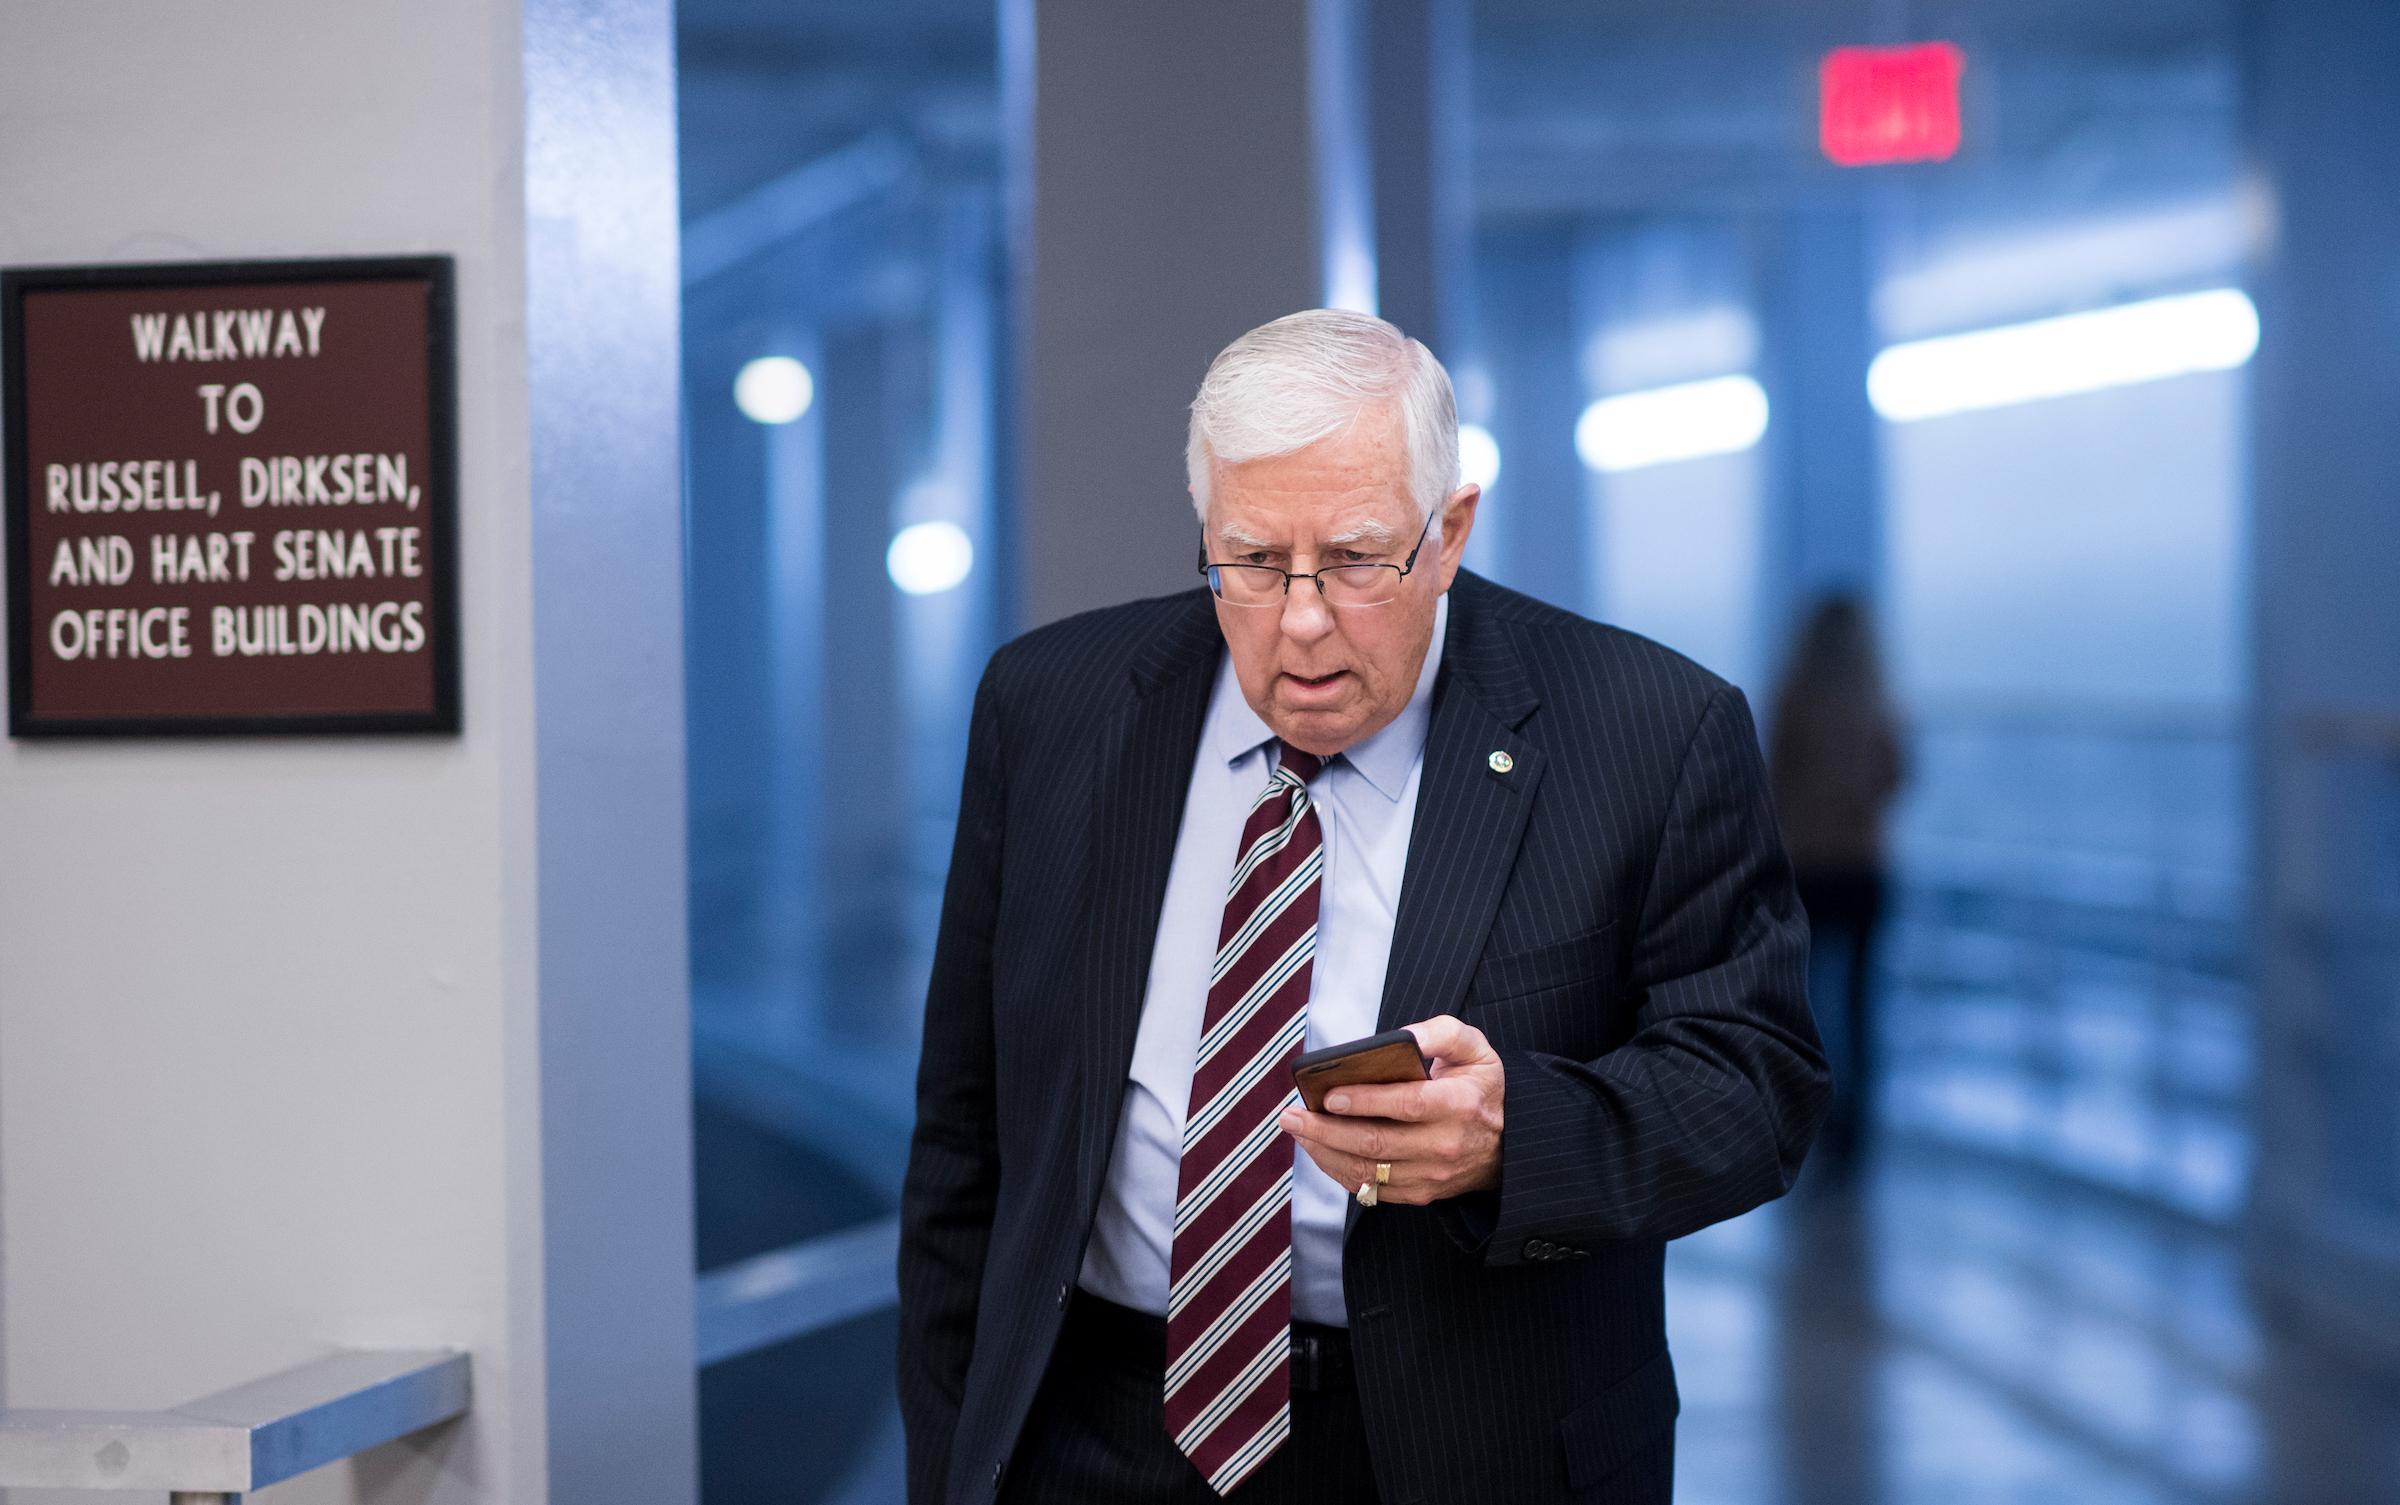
(1383, 1173)
(1366, 1193)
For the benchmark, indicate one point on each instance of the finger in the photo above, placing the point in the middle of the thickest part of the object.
(1407, 1185)
(1450, 1041)
(1408, 1102)
(1346, 1170)
(1373, 1139)
(1341, 1169)
(1404, 1101)
(1370, 1139)
(1344, 1167)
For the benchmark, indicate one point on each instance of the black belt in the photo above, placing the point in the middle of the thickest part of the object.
(1099, 1331)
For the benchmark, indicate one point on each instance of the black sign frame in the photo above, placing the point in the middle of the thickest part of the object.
(439, 275)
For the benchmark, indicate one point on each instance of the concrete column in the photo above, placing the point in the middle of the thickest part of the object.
(603, 302)
(739, 475)
(1165, 198)
(790, 763)
(310, 1043)
(1824, 497)
(1536, 515)
(1416, 83)
(874, 381)
(2324, 128)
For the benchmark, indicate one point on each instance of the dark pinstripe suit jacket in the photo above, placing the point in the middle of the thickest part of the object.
(1614, 912)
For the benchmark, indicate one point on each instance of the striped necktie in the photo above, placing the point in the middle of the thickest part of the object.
(1229, 1304)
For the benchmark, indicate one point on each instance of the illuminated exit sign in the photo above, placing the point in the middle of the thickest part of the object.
(1889, 104)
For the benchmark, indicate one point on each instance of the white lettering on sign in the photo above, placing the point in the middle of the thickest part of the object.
(228, 334)
(317, 554)
(340, 627)
(102, 559)
(183, 559)
(149, 336)
(244, 408)
(122, 632)
(327, 481)
(128, 486)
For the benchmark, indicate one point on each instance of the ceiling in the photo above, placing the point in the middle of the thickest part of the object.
(1583, 108)
(1610, 107)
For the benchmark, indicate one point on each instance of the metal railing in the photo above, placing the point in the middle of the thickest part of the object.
(797, 1290)
(832, 1111)
(2069, 948)
(222, 1446)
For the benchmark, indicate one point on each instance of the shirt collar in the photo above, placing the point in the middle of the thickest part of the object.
(1383, 760)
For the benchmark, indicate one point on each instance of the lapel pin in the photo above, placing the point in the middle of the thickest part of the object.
(1501, 762)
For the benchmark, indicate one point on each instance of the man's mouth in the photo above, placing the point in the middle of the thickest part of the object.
(1301, 691)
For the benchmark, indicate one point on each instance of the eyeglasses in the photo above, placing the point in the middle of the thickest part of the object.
(1341, 584)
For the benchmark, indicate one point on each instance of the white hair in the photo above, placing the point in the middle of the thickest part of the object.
(1307, 376)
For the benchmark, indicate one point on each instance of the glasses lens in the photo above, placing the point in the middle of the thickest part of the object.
(1246, 585)
(1361, 584)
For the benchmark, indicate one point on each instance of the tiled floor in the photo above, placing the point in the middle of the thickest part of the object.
(1957, 1329)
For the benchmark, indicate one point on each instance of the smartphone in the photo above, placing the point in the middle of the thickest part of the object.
(1378, 1059)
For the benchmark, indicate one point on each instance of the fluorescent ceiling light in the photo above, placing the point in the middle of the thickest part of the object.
(2109, 347)
(930, 558)
(1721, 416)
(1478, 455)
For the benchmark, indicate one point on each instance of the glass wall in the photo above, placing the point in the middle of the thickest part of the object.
(842, 283)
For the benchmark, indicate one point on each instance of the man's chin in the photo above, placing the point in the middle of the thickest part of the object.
(1323, 733)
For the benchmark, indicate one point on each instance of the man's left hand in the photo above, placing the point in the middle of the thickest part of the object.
(1440, 1137)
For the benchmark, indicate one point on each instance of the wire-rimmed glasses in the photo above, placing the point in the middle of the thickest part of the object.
(1340, 584)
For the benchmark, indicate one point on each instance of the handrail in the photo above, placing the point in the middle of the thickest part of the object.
(796, 1290)
(224, 1445)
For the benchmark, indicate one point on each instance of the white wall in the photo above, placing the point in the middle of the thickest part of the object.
(272, 1036)
(2088, 547)
(1676, 558)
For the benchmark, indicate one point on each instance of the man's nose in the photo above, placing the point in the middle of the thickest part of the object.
(1306, 616)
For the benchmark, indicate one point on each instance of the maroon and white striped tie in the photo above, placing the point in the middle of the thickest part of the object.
(1229, 1303)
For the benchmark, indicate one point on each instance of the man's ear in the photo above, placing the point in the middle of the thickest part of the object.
(1458, 520)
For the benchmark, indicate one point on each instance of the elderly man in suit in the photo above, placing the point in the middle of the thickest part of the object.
(1346, 787)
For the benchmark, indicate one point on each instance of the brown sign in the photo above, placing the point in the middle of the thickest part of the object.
(229, 494)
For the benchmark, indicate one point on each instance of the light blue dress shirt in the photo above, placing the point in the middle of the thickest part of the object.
(1366, 801)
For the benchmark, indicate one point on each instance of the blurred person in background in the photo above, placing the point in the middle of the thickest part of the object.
(1836, 763)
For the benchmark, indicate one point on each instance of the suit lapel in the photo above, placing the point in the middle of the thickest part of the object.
(1146, 773)
(1470, 814)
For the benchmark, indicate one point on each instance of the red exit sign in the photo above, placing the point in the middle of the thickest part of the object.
(1889, 104)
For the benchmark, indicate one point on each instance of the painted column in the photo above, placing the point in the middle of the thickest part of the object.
(874, 383)
(1416, 56)
(1165, 197)
(603, 305)
(1531, 530)
(1823, 501)
(2325, 1198)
